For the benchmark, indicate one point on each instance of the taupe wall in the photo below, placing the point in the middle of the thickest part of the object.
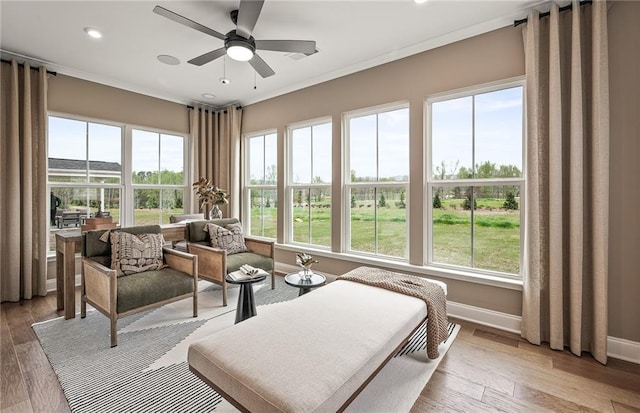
(493, 56)
(74, 96)
(490, 57)
(80, 97)
(624, 230)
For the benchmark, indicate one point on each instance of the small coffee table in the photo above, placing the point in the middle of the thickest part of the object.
(294, 279)
(246, 303)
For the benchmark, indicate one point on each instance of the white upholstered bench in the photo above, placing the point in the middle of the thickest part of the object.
(311, 354)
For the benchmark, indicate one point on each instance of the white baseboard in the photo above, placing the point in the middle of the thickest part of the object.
(485, 317)
(618, 348)
(623, 349)
(51, 283)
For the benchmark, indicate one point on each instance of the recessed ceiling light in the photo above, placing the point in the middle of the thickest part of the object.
(419, 1)
(93, 32)
(208, 96)
(168, 60)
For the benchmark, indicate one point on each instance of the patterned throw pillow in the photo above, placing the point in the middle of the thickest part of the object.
(229, 238)
(133, 253)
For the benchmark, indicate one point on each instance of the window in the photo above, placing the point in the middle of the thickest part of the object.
(261, 177)
(377, 181)
(309, 185)
(157, 176)
(475, 181)
(86, 174)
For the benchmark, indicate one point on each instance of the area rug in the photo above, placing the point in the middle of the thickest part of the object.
(148, 372)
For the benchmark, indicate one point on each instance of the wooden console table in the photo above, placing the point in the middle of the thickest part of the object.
(68, 244)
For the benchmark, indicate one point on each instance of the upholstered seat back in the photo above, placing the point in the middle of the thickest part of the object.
(93, 247)
(195, 229)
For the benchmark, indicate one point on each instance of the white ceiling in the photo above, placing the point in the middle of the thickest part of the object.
(351, 36)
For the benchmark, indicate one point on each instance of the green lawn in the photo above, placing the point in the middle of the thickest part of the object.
(496, 232)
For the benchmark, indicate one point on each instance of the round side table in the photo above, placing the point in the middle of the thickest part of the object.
(294, 279)
(246, 303)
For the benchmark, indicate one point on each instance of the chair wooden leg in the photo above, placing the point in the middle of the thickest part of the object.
(224, 294)
(195, 303)
(83, 306)
(114, 331)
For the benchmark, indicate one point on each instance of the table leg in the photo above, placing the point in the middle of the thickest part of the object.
(69, 280)
(246, 303)
(303, 290)
(59, 280)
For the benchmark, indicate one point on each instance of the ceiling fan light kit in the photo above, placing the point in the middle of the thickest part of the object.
(239, 44)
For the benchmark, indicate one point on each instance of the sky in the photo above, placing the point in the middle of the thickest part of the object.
(498, 139)
(151, 151)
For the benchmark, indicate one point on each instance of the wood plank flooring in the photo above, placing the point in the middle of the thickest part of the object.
(486, 370)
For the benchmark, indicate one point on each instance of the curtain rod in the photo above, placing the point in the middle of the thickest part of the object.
(32, 68)
(191, 107)
(569, 6)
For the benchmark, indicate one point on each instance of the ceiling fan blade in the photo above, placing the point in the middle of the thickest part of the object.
(248, 14)
(307, 47)
(208, 57)
(187, 22)
(261, 66)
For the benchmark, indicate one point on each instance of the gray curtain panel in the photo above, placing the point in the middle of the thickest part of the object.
(23, 182)
(216, 152)
(566, 250)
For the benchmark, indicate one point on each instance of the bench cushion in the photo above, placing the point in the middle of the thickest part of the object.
(150, 287)
(310, 354)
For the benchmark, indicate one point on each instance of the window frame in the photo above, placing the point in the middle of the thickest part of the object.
(291, 187)
(247, 186)
(126, 185)
(347, 185)
(431, 183)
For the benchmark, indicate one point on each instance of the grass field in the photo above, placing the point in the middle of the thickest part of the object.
(496, 232)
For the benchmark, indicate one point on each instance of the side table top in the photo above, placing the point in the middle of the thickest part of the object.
(294, 279)
(246, 280)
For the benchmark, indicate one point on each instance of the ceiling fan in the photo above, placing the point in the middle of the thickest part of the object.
(239, 44)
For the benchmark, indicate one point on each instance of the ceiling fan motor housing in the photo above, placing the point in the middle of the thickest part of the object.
(232, 39)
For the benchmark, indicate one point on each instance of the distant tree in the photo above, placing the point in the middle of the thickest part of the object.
(466, 204)
(299, 198)
(353, 201)
(437, 203)
(510, 203)
(382, 202)
(401, 204)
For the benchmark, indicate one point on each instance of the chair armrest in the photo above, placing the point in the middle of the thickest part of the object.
(212, 262)
(100, 284)
(260, 246)
(181, 261)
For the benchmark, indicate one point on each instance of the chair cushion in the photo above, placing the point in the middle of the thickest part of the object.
(157, 286)
(134, 253)
(229, 238)
(196, 232)
(255, 260)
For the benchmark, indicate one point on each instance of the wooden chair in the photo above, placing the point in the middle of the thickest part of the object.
(214, 263)
(118, 297)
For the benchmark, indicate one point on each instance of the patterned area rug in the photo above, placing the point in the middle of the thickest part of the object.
(148, 372)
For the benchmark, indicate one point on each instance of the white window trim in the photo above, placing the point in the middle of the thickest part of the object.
(456, 270)
(290, 186)
(348, 185)
(245, 212)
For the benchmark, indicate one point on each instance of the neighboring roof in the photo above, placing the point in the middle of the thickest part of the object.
(75, 164)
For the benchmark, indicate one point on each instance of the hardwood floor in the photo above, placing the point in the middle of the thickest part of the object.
(485, 370)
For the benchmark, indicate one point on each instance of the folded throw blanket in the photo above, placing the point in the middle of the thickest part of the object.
(431, 293)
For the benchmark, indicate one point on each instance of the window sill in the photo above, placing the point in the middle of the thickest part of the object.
(429, 271)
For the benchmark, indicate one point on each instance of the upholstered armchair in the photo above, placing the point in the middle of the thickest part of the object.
(215, 263)
(146, 274)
